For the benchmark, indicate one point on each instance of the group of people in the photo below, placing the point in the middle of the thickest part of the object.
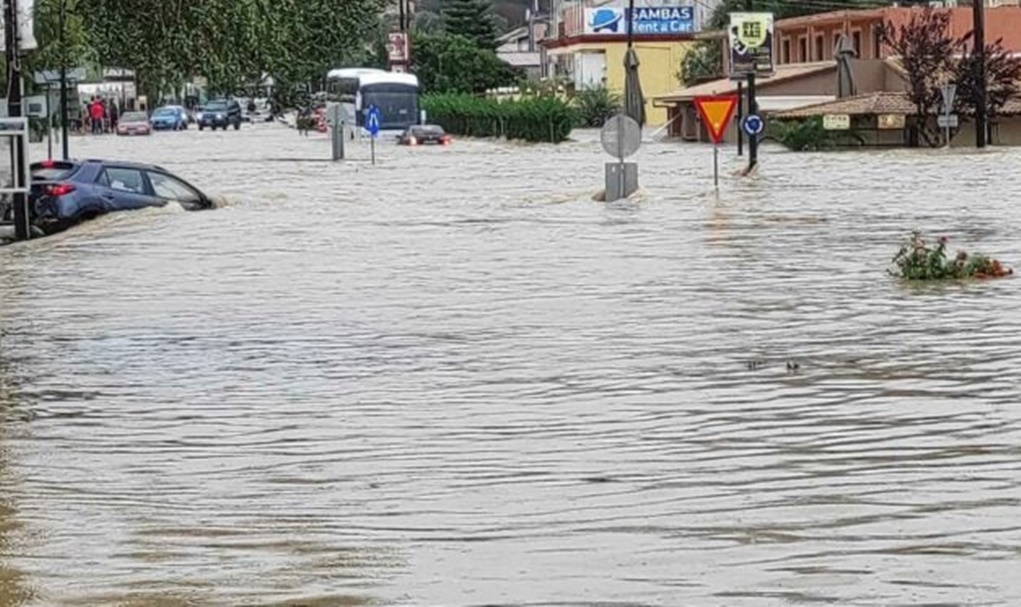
(99, 116)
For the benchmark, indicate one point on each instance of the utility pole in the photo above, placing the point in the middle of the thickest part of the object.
(400, 8)
(63, 80)
(981, 111)
(20, 200)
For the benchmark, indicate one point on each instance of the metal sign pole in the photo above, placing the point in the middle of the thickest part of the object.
(716, 168)
(372, 145)
(49, 124)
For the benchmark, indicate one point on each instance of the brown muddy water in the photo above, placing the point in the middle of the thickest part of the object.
(453, 379)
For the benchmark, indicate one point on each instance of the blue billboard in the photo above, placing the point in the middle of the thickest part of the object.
(646, 20)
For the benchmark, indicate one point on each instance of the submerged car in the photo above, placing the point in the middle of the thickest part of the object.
(220, 114)
(421, 134)
(134, 123)
(65, 193)
(169, 117)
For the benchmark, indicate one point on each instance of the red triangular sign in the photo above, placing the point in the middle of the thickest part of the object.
(716, 112)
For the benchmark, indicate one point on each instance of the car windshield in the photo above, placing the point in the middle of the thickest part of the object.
(133, 117)
(218, 106)
(165, 111)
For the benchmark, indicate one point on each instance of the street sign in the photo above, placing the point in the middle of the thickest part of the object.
(621, 136)
(836, 122)
(753, 125)
(372, 121)
(750, 39)
(947, 121)
(949, 93)
(53, 76)
(716, 112)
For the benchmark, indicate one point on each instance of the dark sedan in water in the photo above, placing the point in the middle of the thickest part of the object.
(67, 193)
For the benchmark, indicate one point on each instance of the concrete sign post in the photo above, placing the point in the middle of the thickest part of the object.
(335, 120)
(948, 119)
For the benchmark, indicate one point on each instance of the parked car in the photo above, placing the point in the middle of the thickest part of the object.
(222, 113)
(169, 118)
(134, 123)
(65, 193)
(422, 134)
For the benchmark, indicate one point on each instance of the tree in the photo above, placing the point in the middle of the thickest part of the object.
(1003, 74)
(926, 52)
(472, 19)
(701, 63)
(448, 63)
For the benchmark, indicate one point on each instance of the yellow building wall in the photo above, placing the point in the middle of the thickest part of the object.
(659, 65)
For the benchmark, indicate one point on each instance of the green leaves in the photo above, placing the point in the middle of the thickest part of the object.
(446, 63)
(229, 42)
(917, 260)
(537, 119)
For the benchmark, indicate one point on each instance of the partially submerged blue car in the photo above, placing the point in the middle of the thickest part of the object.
(65, 193)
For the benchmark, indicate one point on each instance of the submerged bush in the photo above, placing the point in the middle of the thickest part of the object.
(918, 261)
(532, 119)
(808, 135)
(595, 105)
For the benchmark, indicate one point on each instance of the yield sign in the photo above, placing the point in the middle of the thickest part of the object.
(716, 113)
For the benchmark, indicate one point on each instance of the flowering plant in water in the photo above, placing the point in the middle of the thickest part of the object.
(916, 260)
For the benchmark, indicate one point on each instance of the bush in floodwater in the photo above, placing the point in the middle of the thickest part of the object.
(916, 260)
(595, 105)
(808, 135)
(535, 119)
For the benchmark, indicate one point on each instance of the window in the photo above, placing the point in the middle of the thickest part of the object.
(169, 188)
(877, 43)
(820, 54)
(123, 180)
(802, 49)
(786, 57)
(856, 38)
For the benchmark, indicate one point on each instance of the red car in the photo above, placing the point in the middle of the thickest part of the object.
(134, 123)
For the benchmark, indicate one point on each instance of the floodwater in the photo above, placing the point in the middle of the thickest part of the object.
(454, 379)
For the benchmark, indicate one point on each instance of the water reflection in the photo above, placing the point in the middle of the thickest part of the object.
(453, 379)
(15, 588)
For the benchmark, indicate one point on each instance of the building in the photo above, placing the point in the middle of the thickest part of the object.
(589, 43)
(522, 51)
(806, 67)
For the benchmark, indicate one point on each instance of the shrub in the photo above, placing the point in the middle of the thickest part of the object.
(917, 261)
(808, 135)
(595, 105)
(531, 119)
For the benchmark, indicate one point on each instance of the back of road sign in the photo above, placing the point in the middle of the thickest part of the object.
(716, 112)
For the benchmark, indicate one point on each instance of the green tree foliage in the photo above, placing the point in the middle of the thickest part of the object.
(72, 51)
(448, 63)
(230, 42)
(472, 19)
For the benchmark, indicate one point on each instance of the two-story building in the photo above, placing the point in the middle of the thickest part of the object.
(806, 66)
(590, 40)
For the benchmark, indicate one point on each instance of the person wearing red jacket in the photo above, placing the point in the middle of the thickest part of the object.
(97, 113)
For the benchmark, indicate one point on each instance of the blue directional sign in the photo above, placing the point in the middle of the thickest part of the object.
(372, 121)
(753, 125)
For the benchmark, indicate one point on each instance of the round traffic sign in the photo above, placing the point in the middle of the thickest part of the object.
(753, 124)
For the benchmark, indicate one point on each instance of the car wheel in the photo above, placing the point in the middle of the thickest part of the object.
(202, 127)
(237, 126)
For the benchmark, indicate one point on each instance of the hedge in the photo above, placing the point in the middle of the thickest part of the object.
(539, 119)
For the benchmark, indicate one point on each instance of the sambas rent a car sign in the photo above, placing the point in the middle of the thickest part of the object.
(646, 20)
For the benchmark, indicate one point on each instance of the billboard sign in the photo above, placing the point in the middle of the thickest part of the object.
(397, 48)
(645, 21)
(751, 43)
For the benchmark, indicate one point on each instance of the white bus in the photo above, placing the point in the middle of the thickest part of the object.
(395, 94)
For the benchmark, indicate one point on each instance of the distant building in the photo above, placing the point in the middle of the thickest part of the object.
(588, 42)
(522, 51)
(806, 69)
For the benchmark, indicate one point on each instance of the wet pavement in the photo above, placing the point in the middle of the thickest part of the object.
(454, 379)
